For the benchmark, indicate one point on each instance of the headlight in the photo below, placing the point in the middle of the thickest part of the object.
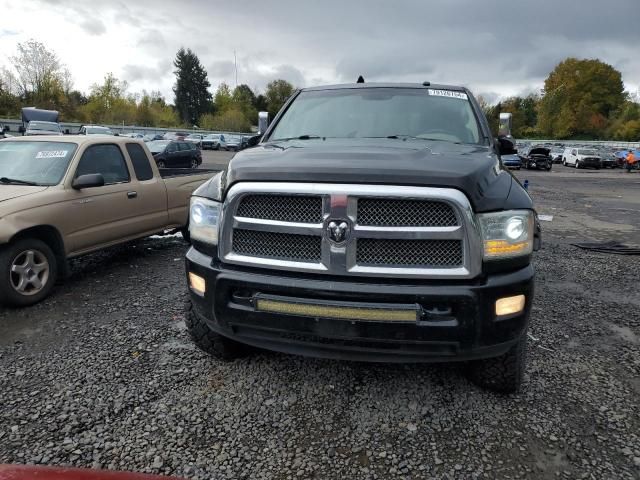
(204, 216)
(507, 234)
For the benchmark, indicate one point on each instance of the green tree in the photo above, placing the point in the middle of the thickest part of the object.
(244, 99)
(192, 97)
(231, 120)
(625, 122)
(223, 99)
(578, 98)
(276, 94)
(261, 103)
(109, 103)
(524, 115)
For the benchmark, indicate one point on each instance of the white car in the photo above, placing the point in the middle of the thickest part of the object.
(94, 130)
(194, 138)
(214, 141)
(581, 158)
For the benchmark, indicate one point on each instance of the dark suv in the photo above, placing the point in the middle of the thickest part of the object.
(174, 154)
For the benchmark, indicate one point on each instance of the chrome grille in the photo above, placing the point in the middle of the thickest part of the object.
(302, 248)
(392, 231)
(417, 253)
(283, 208)
(390, 212)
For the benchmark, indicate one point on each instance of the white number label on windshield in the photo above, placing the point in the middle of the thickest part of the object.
(448, 93)
(52, 154)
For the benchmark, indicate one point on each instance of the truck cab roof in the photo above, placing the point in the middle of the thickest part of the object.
(386, 85)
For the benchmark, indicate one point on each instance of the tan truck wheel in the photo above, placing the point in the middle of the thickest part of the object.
(29, 271)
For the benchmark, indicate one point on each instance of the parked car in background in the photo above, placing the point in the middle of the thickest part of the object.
(581, 158)
(175, 154)
(556, 154)
(233, 142)
(64, 197)
(538, 158)
(608, 158)
(37, 127)
(94, 130)
(175, 136)
(195, 138)
(214, 141)
(152, 136)
(512, 161)
(132, 135)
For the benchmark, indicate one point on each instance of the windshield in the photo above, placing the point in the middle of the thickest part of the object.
(43, 163)
(44, 126)
(587, 152)
(158, 145)
(427, 114)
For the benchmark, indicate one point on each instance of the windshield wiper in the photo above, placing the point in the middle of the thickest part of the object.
(301, 137)
(413, 137)
(6, 180)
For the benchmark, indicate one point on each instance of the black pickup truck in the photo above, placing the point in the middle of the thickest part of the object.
(370, 222)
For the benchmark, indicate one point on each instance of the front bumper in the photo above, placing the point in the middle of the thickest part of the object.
(590, 162)
(458, 322)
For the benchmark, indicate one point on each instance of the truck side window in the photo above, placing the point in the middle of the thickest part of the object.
(106, 159)
(140, 162)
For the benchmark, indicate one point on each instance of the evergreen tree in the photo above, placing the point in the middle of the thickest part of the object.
(192, 97)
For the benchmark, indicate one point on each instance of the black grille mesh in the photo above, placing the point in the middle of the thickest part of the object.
(284, 208)
(285, 246)
(405, 213)
(415, 253)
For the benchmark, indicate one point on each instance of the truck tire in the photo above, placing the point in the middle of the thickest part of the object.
(28, 272)
(501, 374)
(214, 344)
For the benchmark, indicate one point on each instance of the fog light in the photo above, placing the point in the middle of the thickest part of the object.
(509, 305)
(197, 283)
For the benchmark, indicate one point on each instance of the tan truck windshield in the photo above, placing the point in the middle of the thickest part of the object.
(43, 163)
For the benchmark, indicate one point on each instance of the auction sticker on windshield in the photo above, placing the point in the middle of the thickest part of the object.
(447, 93)
(52, 154)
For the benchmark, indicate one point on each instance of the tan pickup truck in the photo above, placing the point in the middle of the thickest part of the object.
(61, 197)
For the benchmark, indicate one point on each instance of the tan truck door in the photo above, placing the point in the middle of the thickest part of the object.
(151, 200)
(105, 214)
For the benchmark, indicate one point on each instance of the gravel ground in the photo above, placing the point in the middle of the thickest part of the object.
(102, 374)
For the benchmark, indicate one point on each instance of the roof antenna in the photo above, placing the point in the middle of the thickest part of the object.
(360, 79)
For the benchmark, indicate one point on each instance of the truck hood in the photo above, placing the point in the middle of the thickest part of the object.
(7, 192)
(472, 169)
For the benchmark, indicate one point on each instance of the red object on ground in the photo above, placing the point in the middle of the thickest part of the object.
(36, 472)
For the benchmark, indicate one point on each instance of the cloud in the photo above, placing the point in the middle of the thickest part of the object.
(93, 26)
(489, 46)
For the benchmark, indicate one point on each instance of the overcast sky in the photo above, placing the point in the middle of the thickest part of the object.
(496, 48)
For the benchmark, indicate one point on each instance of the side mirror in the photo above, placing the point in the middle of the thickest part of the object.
(506, 146)
(88, 181)
(21, 129)
(253, 141)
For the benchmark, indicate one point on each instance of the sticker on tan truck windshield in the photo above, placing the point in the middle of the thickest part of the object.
(447, 93)
(52, 154)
